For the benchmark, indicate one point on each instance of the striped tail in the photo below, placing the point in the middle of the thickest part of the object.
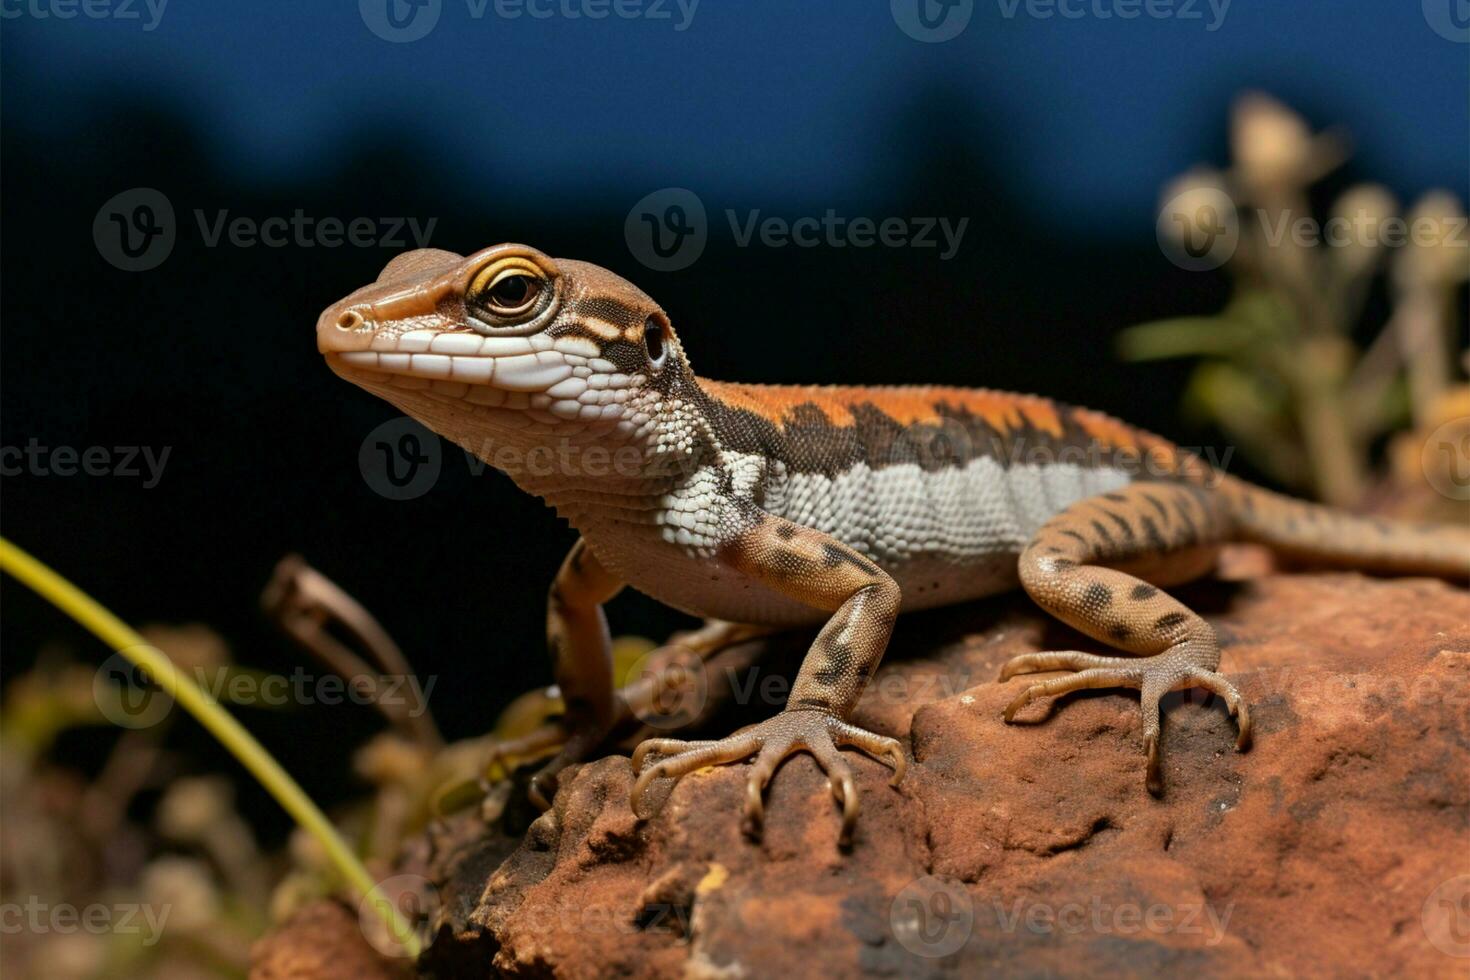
(1323, 535)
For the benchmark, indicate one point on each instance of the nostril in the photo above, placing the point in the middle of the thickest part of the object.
(350, 320)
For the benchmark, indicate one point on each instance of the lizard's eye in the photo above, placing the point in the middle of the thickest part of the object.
(512, 294)
(507, 293)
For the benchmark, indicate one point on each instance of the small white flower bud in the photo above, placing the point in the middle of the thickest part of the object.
(1272, 145)
(185, 887)
(1356, 228)
(193, 807)
(1437, 251)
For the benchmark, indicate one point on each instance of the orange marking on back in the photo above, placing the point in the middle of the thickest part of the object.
(1111, 433)
(775, 402)
(1106, 430)
(1003, 411)
(1043, 416)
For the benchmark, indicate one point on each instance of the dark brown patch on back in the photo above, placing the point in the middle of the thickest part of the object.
(829, 430)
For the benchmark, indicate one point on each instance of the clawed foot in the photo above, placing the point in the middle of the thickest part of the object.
(770, 742)
(1154, 677)
(657, 695)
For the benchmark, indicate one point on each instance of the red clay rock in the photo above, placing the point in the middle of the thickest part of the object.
(1035, 848)
(323, 940)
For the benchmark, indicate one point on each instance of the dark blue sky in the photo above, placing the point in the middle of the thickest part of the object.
(764, 102)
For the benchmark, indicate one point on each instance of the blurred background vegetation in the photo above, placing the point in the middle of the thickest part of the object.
(1300, 369)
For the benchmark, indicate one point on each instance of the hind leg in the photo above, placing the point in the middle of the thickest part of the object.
(1097, 566)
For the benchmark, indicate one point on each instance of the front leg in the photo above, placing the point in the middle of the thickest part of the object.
(820, 571)
(581, 660)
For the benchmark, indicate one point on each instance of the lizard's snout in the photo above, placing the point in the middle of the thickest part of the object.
(345, 327)
(386, 308)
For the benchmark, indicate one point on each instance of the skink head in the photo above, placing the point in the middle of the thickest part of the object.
(505, 331)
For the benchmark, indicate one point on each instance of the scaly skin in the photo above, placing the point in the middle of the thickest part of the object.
(775, 506)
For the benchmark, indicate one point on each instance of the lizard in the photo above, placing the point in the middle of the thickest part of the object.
(764, 507)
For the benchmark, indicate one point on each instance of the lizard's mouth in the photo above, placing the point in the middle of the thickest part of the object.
(532, 371)
(520, 374)
(497, 382)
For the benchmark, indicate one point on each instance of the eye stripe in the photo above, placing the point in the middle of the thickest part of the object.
(495, 271)
(598, 327)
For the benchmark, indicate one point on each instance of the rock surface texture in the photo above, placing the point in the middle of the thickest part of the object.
(1338, 845)
(322, 940)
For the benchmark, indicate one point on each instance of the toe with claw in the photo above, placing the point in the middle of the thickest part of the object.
(1152, 676)
(771, 742)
